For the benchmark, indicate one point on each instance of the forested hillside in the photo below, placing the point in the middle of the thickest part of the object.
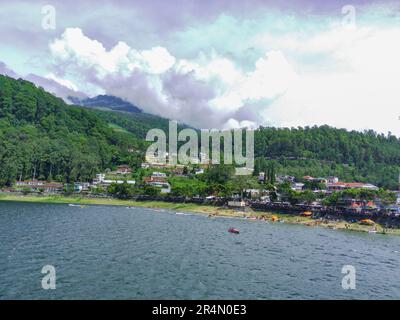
(106, 102)
(137, 123)
(324, 151)
(42, 137)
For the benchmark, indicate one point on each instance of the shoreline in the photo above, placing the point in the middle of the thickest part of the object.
(211, 211)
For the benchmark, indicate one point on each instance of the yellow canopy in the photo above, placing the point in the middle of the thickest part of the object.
(367, 221)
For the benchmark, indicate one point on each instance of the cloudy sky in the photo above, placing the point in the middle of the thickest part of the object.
(220, 63)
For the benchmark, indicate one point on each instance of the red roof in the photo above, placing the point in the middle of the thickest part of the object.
(154, 179)
(348, 184)
(355, 184)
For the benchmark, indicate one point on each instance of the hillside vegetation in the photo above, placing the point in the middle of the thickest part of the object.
(326, 151)
(42, 137)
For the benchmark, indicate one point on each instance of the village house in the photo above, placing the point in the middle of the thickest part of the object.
(317, 180)
(37, 185)
(283, 179)
(28, 183)
(155, 181)
(256, 193)
(101, 181)
(199, 171)
(338, 186)
(312, 179)
(158, 182)
(145, 165)
(158, 175)
(253, 193)
(124, 169)
(297, 186)
(333, 179)
(166, 188)
(81, 187)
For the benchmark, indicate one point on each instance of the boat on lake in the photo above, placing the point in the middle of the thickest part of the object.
(234, 230)
(77, 205)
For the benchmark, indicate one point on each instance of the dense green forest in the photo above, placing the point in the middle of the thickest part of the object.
(326, 151)
(136, 123)
(42, 137)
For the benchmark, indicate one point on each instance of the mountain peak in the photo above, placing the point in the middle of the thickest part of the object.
(106, 101)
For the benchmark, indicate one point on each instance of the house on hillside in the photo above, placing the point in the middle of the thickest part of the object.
(158, 182)
(155, 181)
(333, 179)
(81, 186)
(156, 174)
(339, 186)
(285, 178)
(124, 169)
(199, 171)
(37, 185)
(101, 180)
(297, 186)
(27, 183)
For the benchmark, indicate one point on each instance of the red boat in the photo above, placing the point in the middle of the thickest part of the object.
(233, 230)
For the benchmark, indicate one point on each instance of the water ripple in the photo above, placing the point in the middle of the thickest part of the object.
(105, 252)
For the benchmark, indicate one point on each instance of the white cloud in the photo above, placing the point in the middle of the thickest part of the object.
(234, 124)
(336, 76)
(206, 92)
(157, 60)
(75, 47)
(360, 93)
(64, 82)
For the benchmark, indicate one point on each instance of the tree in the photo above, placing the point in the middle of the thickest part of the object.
(120, 190)
(218, 174)
(151, 191)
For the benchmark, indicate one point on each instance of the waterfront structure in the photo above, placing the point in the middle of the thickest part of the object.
(237, 204)
(38, 185)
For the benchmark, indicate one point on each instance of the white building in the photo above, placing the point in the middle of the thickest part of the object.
(100, 180)
(199, 171)
(158, 175)
(297, 186)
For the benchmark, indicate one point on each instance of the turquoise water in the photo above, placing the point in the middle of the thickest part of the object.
(102, 252)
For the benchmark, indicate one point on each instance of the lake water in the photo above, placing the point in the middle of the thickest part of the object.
(102, 252)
